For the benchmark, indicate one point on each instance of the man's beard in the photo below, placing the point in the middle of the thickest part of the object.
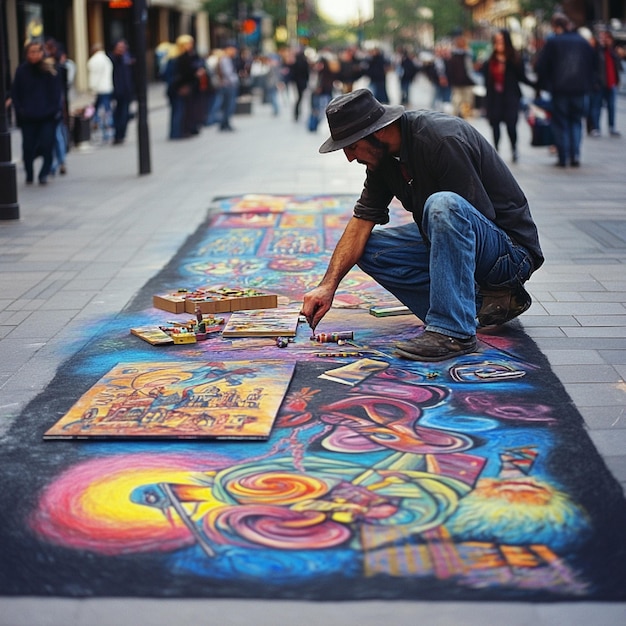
(380, 150)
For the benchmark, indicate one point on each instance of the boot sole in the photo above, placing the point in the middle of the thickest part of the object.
(432, 359)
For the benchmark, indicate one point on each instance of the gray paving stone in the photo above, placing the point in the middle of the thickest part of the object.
(617, 466)
(597, 394)
(611, 442)
(534, 321)
(587, 373)
(604, 417)
(584, 308)
(598, 330)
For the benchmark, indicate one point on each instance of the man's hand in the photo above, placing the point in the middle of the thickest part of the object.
(316, 304)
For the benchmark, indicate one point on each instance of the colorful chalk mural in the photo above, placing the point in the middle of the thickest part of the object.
(471, 479)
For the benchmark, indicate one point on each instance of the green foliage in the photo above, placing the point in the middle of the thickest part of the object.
(233, 9)
(401, 16)
(394, 21)
(544, 7)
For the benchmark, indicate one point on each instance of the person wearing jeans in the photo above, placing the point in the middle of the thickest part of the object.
(473, 243)
(608, 66)
(400, 260)
(100, 79)
(565, 68)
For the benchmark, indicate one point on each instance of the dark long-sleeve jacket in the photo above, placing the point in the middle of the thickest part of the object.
(603, 78)
(514, 74)
(444, 153)
(123, 82)
(36, 93)
(566, 65)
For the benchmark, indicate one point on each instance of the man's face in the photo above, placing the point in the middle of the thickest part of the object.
(35, 53)
(369, 151)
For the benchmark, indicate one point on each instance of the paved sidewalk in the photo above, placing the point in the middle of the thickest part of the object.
(88, 241)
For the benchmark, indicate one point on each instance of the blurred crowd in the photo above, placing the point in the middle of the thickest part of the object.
(38, 100)
(464, 79)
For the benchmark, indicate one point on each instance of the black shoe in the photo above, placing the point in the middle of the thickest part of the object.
(575, 163)
(502, 305)
(430, 346)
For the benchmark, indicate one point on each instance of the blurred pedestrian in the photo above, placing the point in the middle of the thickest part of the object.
(214, 99)
(503, 73)
(271, 82)
(326, 72)
(460, 70)
(299, 75)
(229, 85)
(408, 69)
(180, 76)
(437, 73)
(100, 81)
(595, 84)
(36, 95)
(565, 68)
(351, 68)
(123, 89)
(61, 134)
(377, 67)
(608, 73)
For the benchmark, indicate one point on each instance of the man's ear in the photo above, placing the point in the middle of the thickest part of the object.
(382, 134)
(388, 134)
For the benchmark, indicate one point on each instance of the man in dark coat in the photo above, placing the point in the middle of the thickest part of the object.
(37, 97)
(565, 68)
(123, 89)
(472, 244)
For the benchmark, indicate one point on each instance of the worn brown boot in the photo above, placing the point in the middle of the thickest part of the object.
(430, 346)
(502, 305)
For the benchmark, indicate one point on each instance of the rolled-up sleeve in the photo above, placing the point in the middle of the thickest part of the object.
(373, 205)
(376, 215)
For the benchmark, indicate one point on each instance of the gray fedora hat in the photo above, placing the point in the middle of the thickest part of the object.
(355, 115)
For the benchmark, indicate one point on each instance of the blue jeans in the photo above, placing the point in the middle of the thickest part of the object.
(605, 95)
(121, 115)
(229, 105)
(438, 279)
(60, 146)
(567, 116)
(214, 108)
(178, 111)
(103, 116)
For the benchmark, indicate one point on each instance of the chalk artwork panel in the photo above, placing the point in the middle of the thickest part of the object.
(470, 479)
(179, 400)
(263, 323)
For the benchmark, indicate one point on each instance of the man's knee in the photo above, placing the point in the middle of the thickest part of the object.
(442, 209)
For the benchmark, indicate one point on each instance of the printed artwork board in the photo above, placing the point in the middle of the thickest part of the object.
(354, 373)
(152, 334)
(180, 400)
(263, 323)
